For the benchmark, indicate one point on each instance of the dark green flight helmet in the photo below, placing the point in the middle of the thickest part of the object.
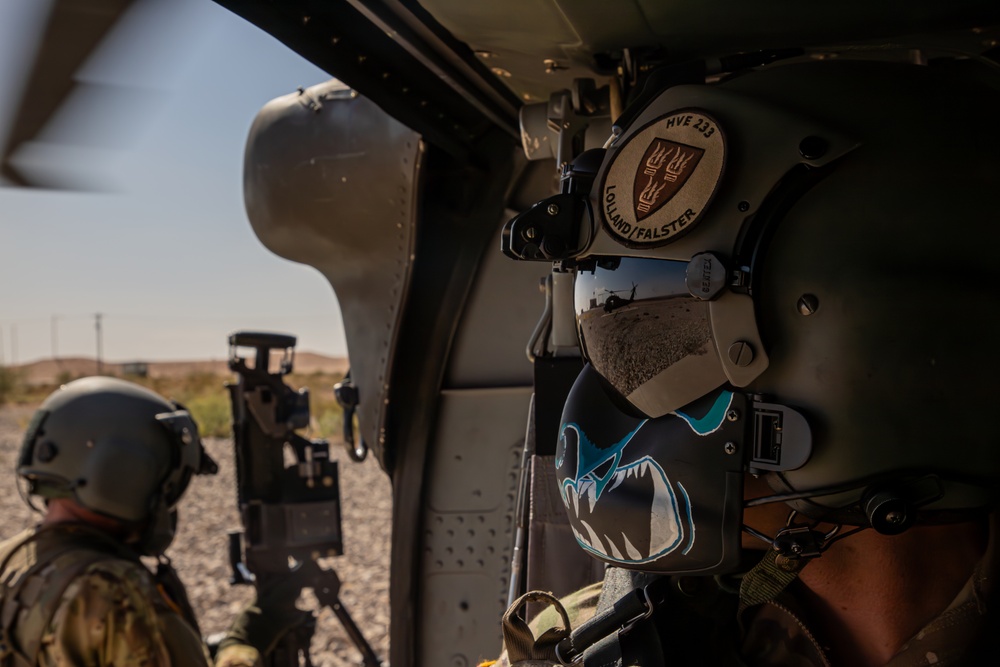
(791, 274)
(117, 449)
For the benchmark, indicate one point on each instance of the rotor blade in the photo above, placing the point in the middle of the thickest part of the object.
(73, 32)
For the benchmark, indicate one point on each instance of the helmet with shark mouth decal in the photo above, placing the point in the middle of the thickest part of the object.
(609, 463)
(821, 262)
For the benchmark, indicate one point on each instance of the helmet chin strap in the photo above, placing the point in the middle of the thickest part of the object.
(158, 532)
(792, 548)
(802, 541)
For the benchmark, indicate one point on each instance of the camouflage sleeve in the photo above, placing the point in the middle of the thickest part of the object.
(113, 616)
(106, 617)
(580, 606)
(238, 655)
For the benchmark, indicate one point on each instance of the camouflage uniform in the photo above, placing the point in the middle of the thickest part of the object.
(778, 634)
(69, 600)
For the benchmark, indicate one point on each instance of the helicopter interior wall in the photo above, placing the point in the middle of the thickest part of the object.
(505, 302)
(468, 520)
(503, 307)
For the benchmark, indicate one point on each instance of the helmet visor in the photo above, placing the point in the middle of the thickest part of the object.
(643, 331)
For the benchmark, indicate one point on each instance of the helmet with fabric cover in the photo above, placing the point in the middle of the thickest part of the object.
(811, 246)
(117, 449)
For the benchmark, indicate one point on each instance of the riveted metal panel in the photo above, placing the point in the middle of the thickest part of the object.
(469, 523)
(330, 181)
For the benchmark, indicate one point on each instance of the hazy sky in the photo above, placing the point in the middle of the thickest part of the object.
(163, 250)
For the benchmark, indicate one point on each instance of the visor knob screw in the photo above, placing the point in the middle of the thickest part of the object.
(741, 353)
(733, 415)
(808, 304)
(552, 209)
(813, 147)
(743, 206)
(529, 233)
(46, 451)
(730, 447)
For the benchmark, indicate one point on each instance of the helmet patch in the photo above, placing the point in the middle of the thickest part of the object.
(661, 181)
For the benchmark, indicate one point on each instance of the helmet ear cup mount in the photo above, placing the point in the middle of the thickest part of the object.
(889, 514)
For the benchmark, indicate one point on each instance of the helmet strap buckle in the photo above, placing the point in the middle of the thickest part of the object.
(799, 543)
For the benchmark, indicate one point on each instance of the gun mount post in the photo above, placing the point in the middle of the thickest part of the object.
(288, 490)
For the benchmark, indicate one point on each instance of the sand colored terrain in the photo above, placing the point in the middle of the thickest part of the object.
(48, 371)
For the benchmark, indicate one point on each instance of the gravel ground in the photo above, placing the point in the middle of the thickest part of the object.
(629, 347)
(199, 551)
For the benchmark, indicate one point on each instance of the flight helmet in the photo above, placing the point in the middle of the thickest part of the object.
(117, 449)
(791, 274)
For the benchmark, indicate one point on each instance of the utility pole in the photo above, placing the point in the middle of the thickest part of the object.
(13, 345)
(55, 339)
(1, 345)
(100, 345)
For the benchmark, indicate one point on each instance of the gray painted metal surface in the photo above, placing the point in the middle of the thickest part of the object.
(330, 181)
(469, 524)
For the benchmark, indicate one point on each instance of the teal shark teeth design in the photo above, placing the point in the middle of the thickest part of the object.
(608, 480)
(581, 497)
(713, 420)
(665, 529)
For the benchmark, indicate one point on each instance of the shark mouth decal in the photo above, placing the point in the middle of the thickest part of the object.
(603, 487)
(603, 493)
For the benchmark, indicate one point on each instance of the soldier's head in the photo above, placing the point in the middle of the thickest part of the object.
(792, 275)
(115, 449)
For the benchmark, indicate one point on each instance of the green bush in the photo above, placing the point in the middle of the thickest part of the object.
(212, 413)
(8, 384)
(328, 423)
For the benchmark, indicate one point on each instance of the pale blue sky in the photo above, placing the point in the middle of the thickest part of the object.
(163, 248)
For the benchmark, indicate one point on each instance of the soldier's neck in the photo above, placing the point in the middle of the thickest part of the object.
(869, 594)
(63, 511)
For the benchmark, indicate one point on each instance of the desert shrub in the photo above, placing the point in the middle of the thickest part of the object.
(8, 384)
(328, 423)
(63, 377)
(212, 412)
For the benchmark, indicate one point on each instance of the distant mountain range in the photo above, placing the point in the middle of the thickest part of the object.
(48, 371)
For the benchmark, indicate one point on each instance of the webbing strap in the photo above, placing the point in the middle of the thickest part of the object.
(768, 579)
(520, 643)
(627, 598)
(605, 653)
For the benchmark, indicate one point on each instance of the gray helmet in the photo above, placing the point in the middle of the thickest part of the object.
(799, 268)
(117, 449)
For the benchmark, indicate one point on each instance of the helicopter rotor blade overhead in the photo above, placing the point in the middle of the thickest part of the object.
(73, 31)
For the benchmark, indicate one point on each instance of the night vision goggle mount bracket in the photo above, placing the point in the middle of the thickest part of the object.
(558, 227)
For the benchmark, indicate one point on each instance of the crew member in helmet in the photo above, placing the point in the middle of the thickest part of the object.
(783, 446)
(111, 460)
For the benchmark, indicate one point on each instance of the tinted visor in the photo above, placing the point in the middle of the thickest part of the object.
(645, 333)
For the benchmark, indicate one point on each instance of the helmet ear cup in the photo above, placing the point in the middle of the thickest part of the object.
(159, 531)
